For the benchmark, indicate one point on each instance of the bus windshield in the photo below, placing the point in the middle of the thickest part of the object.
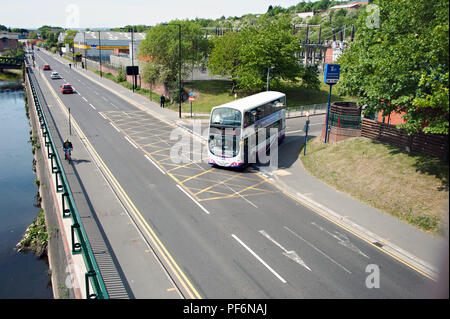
(226, 117)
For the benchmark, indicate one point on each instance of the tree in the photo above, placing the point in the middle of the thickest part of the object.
(225, 58)
(161, 46)
(402, 65)
(271, 46)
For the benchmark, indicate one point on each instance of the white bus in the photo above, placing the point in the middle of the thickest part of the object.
(240, 129)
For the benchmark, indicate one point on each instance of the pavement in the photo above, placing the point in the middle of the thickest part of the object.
(425, 253)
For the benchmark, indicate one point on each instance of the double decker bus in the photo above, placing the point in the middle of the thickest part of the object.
(241, 129)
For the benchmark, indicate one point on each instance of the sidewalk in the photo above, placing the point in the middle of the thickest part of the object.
(410, 245)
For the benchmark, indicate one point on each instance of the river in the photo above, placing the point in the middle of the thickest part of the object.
(22, 275)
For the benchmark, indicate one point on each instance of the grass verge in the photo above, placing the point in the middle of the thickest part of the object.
(412, 187)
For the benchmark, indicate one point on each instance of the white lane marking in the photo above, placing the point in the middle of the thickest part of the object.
(131, 142)
(156, 165)
(104, 98)
(259, 259)
(93, 107)
(114, 126)
(294, 131)
(240, 196)
(290, 254)
(342, 239)
(193, 199)
(84, 98)
(317, 249)
(102, 115)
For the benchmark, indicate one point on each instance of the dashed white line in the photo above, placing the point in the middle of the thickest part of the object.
(198, 204)
(84, 98)
(155, 164)
(93, 107)
(131, 142)
(102, 115)
(114, 126)
(259, 259)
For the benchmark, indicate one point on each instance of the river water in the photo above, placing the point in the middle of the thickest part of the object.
(22, 275)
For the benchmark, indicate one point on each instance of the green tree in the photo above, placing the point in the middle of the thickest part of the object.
(402, 65)
(161, 46)
(271, 46)
(225, 58)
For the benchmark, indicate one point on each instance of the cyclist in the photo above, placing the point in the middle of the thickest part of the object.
(67, 146)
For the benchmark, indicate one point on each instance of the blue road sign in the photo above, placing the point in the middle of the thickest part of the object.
(331, 73)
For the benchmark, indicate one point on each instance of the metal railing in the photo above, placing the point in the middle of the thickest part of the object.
(313, 109)
(79, 240)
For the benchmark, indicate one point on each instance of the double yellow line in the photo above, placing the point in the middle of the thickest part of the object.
(156, 243)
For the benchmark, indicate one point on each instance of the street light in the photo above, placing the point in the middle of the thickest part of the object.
(268, 75)
(179, 65)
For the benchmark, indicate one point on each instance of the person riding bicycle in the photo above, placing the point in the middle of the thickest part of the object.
(67, 146)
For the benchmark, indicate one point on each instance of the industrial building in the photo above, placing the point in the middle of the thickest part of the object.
(92, 44)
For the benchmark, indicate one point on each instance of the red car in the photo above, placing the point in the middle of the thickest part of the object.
(66, 88)
(46, 67)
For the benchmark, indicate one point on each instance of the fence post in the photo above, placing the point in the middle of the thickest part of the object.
(66, 211)
(90, 273)
(76, 247)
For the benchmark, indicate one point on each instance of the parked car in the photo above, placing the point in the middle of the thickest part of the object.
(55, 75)
(46, 67)
(66, 88)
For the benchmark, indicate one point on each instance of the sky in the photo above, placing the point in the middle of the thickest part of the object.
(31, 14)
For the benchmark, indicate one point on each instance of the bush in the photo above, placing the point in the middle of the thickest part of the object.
(121, 75)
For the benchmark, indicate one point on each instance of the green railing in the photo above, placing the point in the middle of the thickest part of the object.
(296, 111)
(79, 240)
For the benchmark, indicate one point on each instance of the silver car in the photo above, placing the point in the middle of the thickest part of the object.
(55, 75)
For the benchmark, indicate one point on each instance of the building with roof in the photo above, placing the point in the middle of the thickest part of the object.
(91, 43)
(352, 5)
(8, 41)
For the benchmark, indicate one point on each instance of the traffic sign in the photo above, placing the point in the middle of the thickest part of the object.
(331, 75)
(191, 98)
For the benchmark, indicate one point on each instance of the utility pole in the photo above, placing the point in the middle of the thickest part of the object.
(100, 53)
(179, 65)
(132, 55)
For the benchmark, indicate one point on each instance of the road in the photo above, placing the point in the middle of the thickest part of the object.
(227, 234)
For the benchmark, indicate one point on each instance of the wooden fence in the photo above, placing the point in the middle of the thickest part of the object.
(430, 144)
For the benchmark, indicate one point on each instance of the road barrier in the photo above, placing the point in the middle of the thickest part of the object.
(313, 109)
(79, 239)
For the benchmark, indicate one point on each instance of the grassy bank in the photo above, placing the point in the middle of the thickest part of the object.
(11, 75)
(412, 187)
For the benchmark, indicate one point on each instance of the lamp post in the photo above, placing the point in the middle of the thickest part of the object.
(179, 65)
(100, 54)
(268, 76)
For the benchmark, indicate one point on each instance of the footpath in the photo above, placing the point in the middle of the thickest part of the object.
(421, 251)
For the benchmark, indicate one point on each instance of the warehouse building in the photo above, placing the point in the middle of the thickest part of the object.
(93, 43)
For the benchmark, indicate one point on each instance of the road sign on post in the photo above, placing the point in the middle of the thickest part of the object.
(191, 99)
(331, 77)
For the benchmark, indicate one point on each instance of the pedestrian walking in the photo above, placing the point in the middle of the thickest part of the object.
(163, 100)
